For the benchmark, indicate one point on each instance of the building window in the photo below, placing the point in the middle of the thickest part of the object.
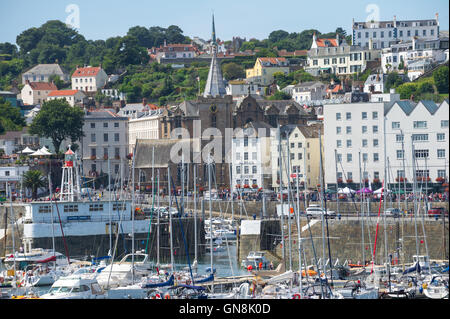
(300, 156)
(246, 141)
(338, 130)
(348, 129)
(376, 157)
(375, 142)
(338, 116)
(400, 154)
(95, 207)
(440, 136)
(364, 115)
(105, 137)
(421, 124)
(348, 116)
(300, 145)
(93, 152)
(105, 125)
(364, 143)
(238, 156)
(365, 157)
(364, 129)
(92, 125)
(349, 158)
(421, 153)
(349, 143)
(399, 138)
(441, 153)
(245, 156)
(375, 129)
(374, 115)
(93, 138)
(254, 170)
(444, 123)
(420, 137)
(246, 170)
(441, 173)
(116, 125)
(116, 137)
(70, 208)
(44, 209)
(339, 157)
(338, 143)
(238, 169)
(395, 125)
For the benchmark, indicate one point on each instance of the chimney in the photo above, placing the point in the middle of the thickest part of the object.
(395, 21)
(337, 39)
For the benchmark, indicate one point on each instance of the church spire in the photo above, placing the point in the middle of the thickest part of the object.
(214, 85)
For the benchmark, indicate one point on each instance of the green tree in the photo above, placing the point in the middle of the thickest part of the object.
(233, 71)
(58, 121)
(10, 116)
(280, 95)
(425, 87)
(440, 77)
(393, 80)
(34, 180)
(407, 90)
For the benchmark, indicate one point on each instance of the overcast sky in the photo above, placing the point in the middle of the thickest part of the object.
(101, 19)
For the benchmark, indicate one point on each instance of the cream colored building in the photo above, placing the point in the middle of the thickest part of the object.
(34, 93)
(146, 126)
(302, 144)
(264, 69)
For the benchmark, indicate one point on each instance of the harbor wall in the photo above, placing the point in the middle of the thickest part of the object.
(346, 243)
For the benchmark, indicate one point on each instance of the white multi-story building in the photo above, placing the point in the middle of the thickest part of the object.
(351, 130)
(146, 126)
(357, 129)
(251, 157)
(380, 34)
(331, 56)
(239, 88)
(105, 138)
(309, 91)
(89, 79)
(424, 125)
(399, 56)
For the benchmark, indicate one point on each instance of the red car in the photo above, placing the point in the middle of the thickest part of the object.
(437, 211)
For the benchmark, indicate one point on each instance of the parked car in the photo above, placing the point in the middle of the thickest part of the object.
(316, 211)
(437, 211)
(392, 212)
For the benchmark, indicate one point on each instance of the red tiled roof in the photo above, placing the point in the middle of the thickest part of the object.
(321, 43)
(89, 71)
(273, 61)
(63, 93)
(335, 89)
(43, 86)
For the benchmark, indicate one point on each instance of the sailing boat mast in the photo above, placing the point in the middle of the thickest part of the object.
(172, 263)
(363, 188)
(210, 216)
(281, 195)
